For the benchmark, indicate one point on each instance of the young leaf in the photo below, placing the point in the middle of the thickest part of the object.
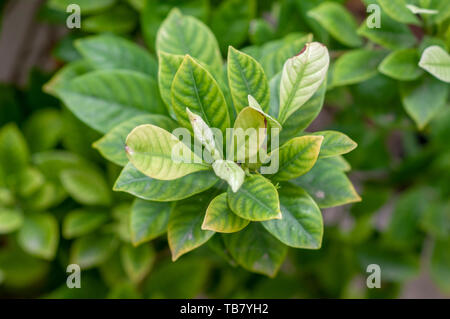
(328, 185)
(302, 224)
(302, 75)
(397, 10)
(182, 35)
(148, 220)
(185, 233)
(335, 143)
(256, 200)
(80, 222)
(168, 67)
(193, 86)
(10, 220)
(417, 10)
(112, 145)
(401, 65)
(136, 183)
(113, 52)
(255, 105)
(105, 98)
(436, 61)
(204, 134)
(39, 236)
(296, 157)
(92, 250)
(334, 18)
(246, 77)
(137, 261)
(256, 250)
(423, 98)
(220, 218)
(159, 154)
(230, 172)
(356, 66)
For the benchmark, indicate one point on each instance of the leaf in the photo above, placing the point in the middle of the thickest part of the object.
(114, 52)
(302, 224)
(335, 143)
(246, 77)
(256, 200)
(185, 233)
(160, 155)
(230, 172)
(328, 185)
(248, 136)
(39, 236)
(10, 220)
(401, 65)
(440, 264)
(442, 8)
(136, 183)
(256, 250)
(423, 98)
(112, 145)
(302, 118)
(105, 98)
(64, 75)
(168, 67)
(43, 130)
(302, 75)
(220, 218)
(356, 66)
(29, 181)
(180, 34)
(80, 222)
(255, 105)
(398, 11)
(417, 10)
(194, 87)
(92, 250)
(436, 61)
(123, 16)
(296, 157)
(87, 6)
(334, 18)
(14, 154)
(137, 261)
(148, 220)
(87, 187)
(392, 35)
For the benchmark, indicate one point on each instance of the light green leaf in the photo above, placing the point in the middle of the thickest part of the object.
(39, 235)
(398, 11)
(334, 18)
(436, 61)
(204, 134)
(256, 250)
(64, 75)
(160, 155)
(193, 86)
(255, 105)
(246, 77)
(302, 224)
(220, 218)
(356, 66)
(256, 200)
(112, 145)
(328, 185)
(113, 52)
(105, 98)
(10, 220)
(136, 183)
(249, 133)
(168, 67)
(417, 10)
(87, 6)
(401, 65)
(185, 233)
(14, 154)
(302, 76)
(442, 8)
(230, 172)
(29, 181)
(440, 264)
(87, 187)
(335, 143)
(43, 130)
(296, 157)
(80, 222)
(92, 250)
(124, 18)
(423, 98)
(180, 34)
(148, 220)
(137, 261)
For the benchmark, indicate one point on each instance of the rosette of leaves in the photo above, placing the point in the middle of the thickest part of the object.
(254, 216)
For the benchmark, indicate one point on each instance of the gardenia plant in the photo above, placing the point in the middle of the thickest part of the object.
(256, 197)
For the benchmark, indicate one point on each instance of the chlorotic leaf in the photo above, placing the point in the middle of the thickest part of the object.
(168, 67)
(436, 61)
(335, 143)
(255, 105)
(230, 172)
